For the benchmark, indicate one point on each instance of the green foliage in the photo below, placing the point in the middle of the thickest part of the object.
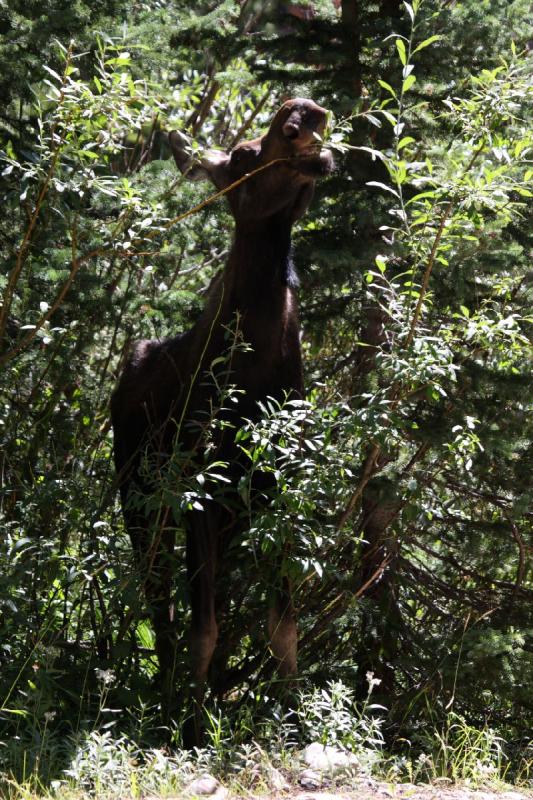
(463, 753)
(30, 32)
(332, 717)
(397, 493)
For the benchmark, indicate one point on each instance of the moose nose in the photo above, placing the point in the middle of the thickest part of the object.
(304, 123)
(291, 130)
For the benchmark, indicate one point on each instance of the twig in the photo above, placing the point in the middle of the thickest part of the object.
(371, 466)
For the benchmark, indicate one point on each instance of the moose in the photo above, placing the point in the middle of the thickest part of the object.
(163, 395)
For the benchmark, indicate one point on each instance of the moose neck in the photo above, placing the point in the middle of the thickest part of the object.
(255, 289)
(259, 269)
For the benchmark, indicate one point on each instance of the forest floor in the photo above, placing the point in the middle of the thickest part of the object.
(367, 790)
(417, 793)
(399, 792)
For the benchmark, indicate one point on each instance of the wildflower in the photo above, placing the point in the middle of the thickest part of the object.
(106, 676)
(372, 681)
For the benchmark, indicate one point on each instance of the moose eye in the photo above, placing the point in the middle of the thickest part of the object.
(236, 156)
(243, 158)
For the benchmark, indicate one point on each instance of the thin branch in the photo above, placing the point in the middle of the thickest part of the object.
(427, 274)
(370, 468)
(522, 554)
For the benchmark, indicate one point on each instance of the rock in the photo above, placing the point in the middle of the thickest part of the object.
(309, 780)
(277, 781)
(324, 758)
(205, 785)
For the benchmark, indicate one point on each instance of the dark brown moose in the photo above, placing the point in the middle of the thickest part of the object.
(163, 396)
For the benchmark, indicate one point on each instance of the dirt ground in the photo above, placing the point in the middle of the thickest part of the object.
(372, 790)
(410, 791)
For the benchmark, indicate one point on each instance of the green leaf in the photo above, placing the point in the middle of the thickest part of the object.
(383, 186)
(419, 196)
(426, 43)
(388, 87)
(373, 120)
(405, 141)
(408, 82)
(52, 73)
(388, 116)
(374, 153)
(410, 11)
(381, 263)
(319, 569)
(17, 711)
(400, 46)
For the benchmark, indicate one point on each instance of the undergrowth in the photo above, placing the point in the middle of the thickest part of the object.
(106, 764)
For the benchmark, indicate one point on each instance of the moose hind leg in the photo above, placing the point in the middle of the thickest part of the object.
(282, 631)
(202, 542)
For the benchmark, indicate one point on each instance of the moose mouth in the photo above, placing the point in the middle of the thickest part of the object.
(305, 135)
(302, 138)
(291, 131)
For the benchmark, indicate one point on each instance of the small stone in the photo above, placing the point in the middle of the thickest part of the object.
(277, 781)
(324, 758)
(205, 785)
(309, 780)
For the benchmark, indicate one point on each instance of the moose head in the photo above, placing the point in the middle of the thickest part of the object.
(282, 165)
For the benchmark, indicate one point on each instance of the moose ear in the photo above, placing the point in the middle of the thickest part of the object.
(210, 166)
